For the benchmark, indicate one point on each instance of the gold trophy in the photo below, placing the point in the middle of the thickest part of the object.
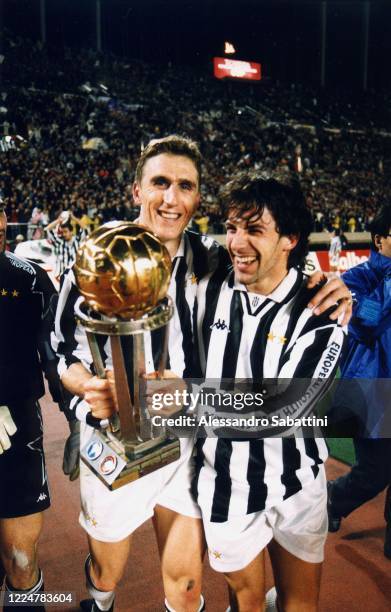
(123, 271)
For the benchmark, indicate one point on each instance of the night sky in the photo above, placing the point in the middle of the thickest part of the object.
(283, 36)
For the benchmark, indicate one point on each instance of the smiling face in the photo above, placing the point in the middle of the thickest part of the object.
(168, 194)
(3, 231)
(258, 252)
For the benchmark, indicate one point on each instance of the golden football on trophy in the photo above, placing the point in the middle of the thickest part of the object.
(122, 270)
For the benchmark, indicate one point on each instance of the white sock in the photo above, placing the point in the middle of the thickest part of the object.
(199, 609)
(168, 607)
(103, 599)
(34, 589)
(271, 600)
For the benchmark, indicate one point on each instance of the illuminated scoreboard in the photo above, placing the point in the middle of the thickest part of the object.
(236, 69)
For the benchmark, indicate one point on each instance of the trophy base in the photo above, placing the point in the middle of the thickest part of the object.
(106, 457)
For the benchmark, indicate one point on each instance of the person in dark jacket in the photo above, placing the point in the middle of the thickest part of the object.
(368, 361)
(26, 299)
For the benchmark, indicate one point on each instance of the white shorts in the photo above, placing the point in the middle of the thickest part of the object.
(111, 516)
(299, 524)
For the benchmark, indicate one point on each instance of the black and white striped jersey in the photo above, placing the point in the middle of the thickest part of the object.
(247, 336)
(196, 256)
(65, 251)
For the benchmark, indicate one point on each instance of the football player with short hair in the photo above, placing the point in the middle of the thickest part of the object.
(254, 325)
(167, 188)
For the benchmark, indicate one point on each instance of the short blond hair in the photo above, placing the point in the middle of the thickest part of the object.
(173, 145)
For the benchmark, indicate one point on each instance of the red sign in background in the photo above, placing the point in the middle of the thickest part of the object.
(236, 69)
(319, 260)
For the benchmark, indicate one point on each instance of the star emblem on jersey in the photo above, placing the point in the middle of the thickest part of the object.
(13, 293)
(192, 279)
(216, 554)
(91, 520)
(271, 336)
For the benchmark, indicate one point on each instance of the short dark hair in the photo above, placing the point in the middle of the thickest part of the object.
(67, 225)
(282, 196)
(381, 224)
(173, 145)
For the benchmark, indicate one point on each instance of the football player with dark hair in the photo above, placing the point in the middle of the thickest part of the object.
(167, 188)
(254, 325)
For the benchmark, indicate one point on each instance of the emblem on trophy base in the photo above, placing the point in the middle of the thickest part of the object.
(123, 271)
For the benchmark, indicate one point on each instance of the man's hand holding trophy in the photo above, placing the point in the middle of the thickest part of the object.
(101, 396)
(123, 272)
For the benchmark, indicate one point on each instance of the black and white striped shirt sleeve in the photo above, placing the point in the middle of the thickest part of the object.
(308, 365)
(69, 340)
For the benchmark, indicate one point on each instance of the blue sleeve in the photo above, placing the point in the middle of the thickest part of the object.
(368, 295)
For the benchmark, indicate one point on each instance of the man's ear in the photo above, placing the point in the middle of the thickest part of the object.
(377, 241)
(136, 192)
(290, 242)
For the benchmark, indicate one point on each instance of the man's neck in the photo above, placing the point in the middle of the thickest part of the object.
(172, 247)
(268, 284)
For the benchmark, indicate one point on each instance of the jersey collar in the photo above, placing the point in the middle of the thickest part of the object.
(280, 293)
(181, 248)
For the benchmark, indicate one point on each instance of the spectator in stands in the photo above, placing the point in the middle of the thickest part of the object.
(38, 220)
(65, 241)
(352, 223)
(341, 171)
(201, 221)
(335, 249)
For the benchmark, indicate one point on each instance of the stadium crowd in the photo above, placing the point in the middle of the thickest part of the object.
(80, 120)
(82, 139)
